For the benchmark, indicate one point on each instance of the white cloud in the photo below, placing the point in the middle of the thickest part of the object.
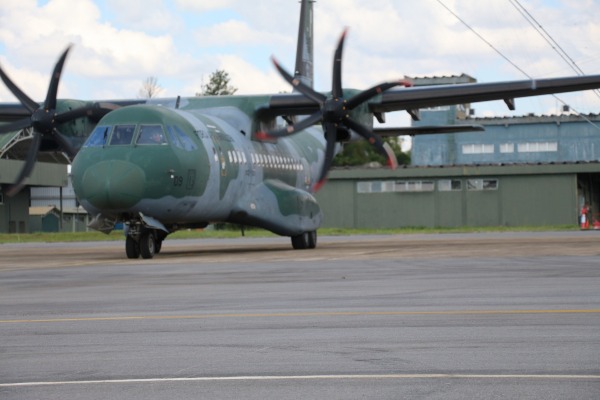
(118, 45)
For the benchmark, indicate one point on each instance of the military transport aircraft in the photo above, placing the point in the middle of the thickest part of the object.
(168, 164)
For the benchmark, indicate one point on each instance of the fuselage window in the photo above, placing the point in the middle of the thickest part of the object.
(122, 135)
(151, 134)
(98, 137)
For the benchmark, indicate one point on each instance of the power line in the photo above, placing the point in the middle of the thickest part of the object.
(509, 60)
(484, 39)
(548, 38)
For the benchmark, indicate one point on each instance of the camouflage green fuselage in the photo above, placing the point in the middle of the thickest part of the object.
(205, 168)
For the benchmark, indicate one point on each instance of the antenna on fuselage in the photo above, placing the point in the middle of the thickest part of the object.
(304, 49)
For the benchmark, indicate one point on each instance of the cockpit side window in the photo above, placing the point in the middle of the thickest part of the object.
(122, 135)
(151, 134)
(180, 139)
(98, 137)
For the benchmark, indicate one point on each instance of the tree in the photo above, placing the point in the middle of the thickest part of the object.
(362, 152)
(150, 88)
(218, 85)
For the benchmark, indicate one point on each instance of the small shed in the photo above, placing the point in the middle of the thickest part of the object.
(44, 219)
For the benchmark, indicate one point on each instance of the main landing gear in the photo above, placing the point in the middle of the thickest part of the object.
(305, 240)
(142, 241)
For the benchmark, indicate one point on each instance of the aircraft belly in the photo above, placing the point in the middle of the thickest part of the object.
(278, 207)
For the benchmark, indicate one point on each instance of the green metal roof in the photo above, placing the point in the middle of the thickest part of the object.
(463, 171)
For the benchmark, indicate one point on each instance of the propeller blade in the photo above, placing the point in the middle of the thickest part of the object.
(336, 86)
(330, 137)
(28, 167)
(64, 143)
(29, 104)
(103, 108)
(297, 84)
(15, 126)
(291, 129)
(50, 103)
(391, 156)
(368, 94)
(374, 140)
(94, 111)
(74, 114)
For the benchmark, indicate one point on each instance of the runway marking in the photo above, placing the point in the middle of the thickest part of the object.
(301, 314)
(306, 377)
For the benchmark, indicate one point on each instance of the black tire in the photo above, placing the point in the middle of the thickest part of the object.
(157, 246)
(312, 239)
(147, 245)
(132, 248)
(300, 242)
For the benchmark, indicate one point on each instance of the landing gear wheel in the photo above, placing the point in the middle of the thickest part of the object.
(157, 246)
(312, 239)
(132, 248)
(305, 240)
(147, 244)
(300, 242)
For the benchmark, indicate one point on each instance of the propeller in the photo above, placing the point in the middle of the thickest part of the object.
(334, 113)
(44, 120)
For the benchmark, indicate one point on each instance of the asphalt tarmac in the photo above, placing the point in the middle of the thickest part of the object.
(452, 316)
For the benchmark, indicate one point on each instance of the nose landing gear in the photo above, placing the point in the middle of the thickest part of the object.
(143, 241)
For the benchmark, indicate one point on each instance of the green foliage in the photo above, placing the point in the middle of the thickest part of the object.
(218, 85)
(361, 153)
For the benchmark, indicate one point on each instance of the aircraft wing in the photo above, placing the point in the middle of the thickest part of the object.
(412, 98)
(12, 112)
(427, 130)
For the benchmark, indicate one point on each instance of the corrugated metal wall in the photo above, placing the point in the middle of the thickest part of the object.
(564, 138)
(495, 199)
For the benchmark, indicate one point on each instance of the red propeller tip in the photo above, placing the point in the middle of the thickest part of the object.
(317, 186)
(262, 135)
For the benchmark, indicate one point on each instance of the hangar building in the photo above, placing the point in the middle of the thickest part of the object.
(522, 171)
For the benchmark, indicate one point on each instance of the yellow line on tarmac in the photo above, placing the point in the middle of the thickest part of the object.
(305, 377)
(300, 314)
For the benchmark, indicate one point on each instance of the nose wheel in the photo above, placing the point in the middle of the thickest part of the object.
(146, 243)
(305, 240)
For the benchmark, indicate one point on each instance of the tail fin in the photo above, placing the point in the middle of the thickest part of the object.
(304, 50)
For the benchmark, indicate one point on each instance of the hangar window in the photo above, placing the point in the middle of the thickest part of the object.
(534, 147)
(482, 184)
(375, 186)
(394, 186)
(507, 148)
(449, 185)
(478, 148)
(414, 186)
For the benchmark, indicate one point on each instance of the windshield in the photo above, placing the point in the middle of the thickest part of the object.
(151, 134)
(122, 135)
(98, 137)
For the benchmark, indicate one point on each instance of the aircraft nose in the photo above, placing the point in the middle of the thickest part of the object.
(113, 185)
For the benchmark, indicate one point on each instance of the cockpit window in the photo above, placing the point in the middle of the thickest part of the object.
(180, 139)
(151, 134)
(98, 137)
(122, 135)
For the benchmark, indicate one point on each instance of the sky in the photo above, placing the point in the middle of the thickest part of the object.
(117, 45)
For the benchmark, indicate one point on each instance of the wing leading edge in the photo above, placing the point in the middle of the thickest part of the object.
(432, 96)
